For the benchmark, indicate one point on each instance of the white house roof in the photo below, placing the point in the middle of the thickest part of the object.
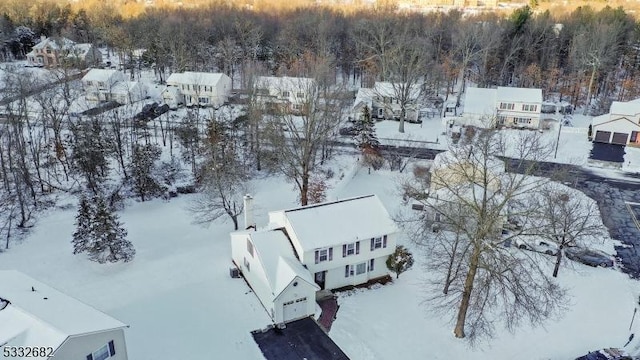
(363, 97)
(480, 101)
(388, 89)
(126, 87)
(197, 78)
(80, 50)
(99, 75)
(54, 43)
(45, 316)
(629, 108)
(458, 155)
(515, 94)
(280, 263)
(337, 222)
(284, 82)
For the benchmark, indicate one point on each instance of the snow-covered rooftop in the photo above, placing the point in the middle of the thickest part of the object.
(99, 75)
(284, 82)
(80, 50)
(363, 97)
(519, 94)
(337, 222)
(388, 89)
(40, 315)
(198, 78)
(280, 264)
(480, 101)
(629, 108)
(56, 43)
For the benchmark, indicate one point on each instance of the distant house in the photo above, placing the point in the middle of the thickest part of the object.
(52, 52)
(620, 126)
(504, 106)
(35, 315)
(284, 93)
(197, 89)
(110, 85)
(322, 246)
(384, 104)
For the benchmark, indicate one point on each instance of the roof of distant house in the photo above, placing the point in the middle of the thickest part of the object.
(284, 82)
(519, 94)
(80, 50)
(39, 315)
(480, 101)
(388, 89)
(277, 256)
(364, 97)
(337, 222)
(54, 43)
(629, 108)
(99, 75)
(197, 78)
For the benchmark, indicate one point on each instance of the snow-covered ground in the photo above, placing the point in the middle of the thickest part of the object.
(177, 291)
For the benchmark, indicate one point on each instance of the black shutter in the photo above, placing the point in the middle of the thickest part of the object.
(90, 357)
(357, 247)
(384, 241)
(330, 253)
(317, 256)
(112, 348)
(344, 250)
(346, 271)
(371, 265)
(372, 243)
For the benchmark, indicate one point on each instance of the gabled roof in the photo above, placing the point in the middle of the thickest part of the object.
(80, 50)
(388, 89)
(519, 94)
(363, 97)
(278, 259)
(480, 101)
(629, 108)
(45, 317)
(284, 82)
(99, 75)
(197, 78)
(338, 222)
(56, 44)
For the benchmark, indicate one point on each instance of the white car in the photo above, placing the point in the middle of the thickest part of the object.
(539, 246)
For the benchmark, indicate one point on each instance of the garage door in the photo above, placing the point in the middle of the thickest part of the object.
(602, 136)
(295, 309)
(620, 138)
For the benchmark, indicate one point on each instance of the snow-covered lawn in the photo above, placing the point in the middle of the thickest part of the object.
(180, 302)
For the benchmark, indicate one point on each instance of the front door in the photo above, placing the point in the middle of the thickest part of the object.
(319, 278)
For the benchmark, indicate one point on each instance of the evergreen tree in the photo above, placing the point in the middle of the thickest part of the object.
(365, 137)
(108, 240)
(142, 169)
(82, 235)
(400, 261)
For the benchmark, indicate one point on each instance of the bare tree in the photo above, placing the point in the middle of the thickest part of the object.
(470, 199)
(297, 140)
(567, 218)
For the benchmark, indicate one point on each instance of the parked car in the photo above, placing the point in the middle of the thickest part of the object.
(348, 131)
(589, 256)
(607, 354)
(539, 246)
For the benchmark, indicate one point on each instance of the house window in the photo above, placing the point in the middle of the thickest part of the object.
(371, 263)
(502, 120)
(48, 51)
(634, 136)
(249, 247)
(348, 270)
(203, 100)
(297, 107)
(300, 95)
(438, 217)
(247, 265)
(351, 249)
(506, 106)
(324, 255)
(105, 352)
(286, 94)
(379, 242)
(529, 107)
(519, 120)
(361, 268)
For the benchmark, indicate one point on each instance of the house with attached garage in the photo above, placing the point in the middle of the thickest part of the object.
(503, 106)
(197, 89)
(102, 85)
(316, 247)
(37, 317)
(620, 126)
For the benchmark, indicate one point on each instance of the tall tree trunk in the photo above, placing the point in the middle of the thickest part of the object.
(558, 260)
(466, 293)
(589, 90)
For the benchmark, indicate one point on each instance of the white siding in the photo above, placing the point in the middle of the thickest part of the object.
(292, 293)
(254, 275)
(620, 125)
(78, 347)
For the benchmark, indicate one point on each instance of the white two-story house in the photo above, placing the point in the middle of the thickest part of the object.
(197, 89)
(328, 246)
(54, 325)
(384, 102)
(504, 106)
(110, 85)
(284, 93)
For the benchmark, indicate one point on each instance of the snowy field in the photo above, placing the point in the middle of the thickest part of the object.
(177, 291)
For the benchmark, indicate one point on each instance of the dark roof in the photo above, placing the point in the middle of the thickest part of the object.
(607, 152)
(301, 339)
